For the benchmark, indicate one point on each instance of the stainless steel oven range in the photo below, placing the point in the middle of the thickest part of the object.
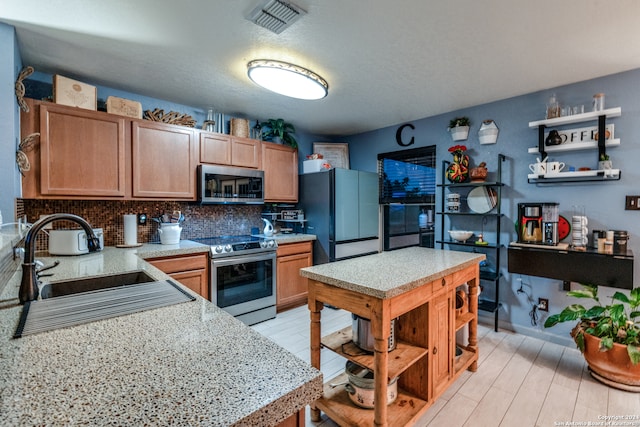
(243, 276)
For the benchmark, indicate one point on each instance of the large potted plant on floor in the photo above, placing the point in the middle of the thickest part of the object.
(277, 130)
(607, 335)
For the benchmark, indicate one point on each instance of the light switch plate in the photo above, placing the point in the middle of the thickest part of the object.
(632, 203)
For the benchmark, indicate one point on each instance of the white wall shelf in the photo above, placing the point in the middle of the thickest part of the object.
(577, 118)
(600, 146)
(575, 146)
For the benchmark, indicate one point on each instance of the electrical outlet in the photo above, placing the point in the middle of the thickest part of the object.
(632, 203)
(543, 304)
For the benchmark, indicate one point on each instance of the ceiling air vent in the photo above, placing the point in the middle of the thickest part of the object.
(276, 15)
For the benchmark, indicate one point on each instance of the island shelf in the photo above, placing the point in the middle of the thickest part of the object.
(422, 301)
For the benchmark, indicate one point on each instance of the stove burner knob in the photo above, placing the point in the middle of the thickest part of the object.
(228, 248)
(271, 243)
(218, 249)
(263, 244)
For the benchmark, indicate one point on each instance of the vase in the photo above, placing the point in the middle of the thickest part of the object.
(458, 170)
(459, 133)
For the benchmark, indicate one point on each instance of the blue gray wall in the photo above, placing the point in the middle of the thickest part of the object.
(603, 201)
(10, 66)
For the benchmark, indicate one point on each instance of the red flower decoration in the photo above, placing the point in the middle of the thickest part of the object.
(459, 149)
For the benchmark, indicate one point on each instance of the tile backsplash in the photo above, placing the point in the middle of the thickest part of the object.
(200, 220)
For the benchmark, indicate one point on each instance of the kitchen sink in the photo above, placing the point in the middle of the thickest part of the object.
(75, 302)
(75, 286)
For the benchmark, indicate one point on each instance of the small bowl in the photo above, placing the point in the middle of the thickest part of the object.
(460, 236)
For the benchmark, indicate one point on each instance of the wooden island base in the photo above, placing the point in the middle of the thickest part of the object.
(426, 324)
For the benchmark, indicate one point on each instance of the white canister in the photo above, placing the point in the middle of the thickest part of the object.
(169, 233)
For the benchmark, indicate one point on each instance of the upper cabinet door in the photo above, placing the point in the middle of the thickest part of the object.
(245, 152)
(215, 148)
(82, 152)
(164, 161)
(280, 165)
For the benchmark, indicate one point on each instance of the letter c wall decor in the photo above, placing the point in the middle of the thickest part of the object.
(399, 135)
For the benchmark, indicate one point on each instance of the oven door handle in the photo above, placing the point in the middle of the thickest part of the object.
(232, 260)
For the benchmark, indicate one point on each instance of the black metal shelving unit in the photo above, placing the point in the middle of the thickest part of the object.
(489, 304)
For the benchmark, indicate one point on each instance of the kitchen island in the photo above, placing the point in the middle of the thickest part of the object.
(418, 287)
(184, 364)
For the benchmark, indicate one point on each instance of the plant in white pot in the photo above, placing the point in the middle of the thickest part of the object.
(607, 335)
(459, 128)
(605, 163)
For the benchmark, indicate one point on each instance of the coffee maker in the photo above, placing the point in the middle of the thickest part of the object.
(530, 222)
(550, 218)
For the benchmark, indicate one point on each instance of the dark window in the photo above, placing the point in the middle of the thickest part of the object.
(408, 176)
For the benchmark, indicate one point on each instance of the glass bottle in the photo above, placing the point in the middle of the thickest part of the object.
(553, 107)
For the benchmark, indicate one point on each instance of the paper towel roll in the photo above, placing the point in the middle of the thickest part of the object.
(131, 229)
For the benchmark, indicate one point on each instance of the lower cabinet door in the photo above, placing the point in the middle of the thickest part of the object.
(292, 289)
(190, 270)
(440, 318)
(196, 280)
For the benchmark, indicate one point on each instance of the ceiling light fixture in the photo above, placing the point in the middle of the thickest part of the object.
(287, 79)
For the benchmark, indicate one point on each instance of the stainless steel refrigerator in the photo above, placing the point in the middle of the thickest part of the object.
(341, 209)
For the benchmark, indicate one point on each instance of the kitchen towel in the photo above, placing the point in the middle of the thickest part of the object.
(130, 229)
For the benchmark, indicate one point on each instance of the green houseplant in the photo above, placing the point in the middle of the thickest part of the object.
(278, 128)
(607, 335)
(459, 128)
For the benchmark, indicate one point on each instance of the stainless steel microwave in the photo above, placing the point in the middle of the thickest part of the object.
(230, 185)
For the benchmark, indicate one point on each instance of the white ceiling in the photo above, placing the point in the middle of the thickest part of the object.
(387, 62)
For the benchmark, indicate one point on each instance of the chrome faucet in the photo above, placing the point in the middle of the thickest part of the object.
(29, 285)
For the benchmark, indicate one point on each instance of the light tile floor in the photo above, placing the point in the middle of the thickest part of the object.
(521, 381)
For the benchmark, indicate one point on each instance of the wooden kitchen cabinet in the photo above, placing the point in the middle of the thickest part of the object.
(280, 165)
(245, 152)
(164, 161)
(424, 358)
(220, 149)
(215, 148)
(93, 155)
(190, 270)
(82, 153)
(291, 288)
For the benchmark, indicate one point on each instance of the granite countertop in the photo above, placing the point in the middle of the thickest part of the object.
(388, 274)
(284, 238)
(185, 364)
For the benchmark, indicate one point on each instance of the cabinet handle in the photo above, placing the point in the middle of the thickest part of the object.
(435, 350)
(444, 282)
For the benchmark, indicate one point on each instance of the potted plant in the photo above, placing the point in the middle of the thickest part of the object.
(604, 163)
(279, 129)
(459, 128)
(607, 335)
